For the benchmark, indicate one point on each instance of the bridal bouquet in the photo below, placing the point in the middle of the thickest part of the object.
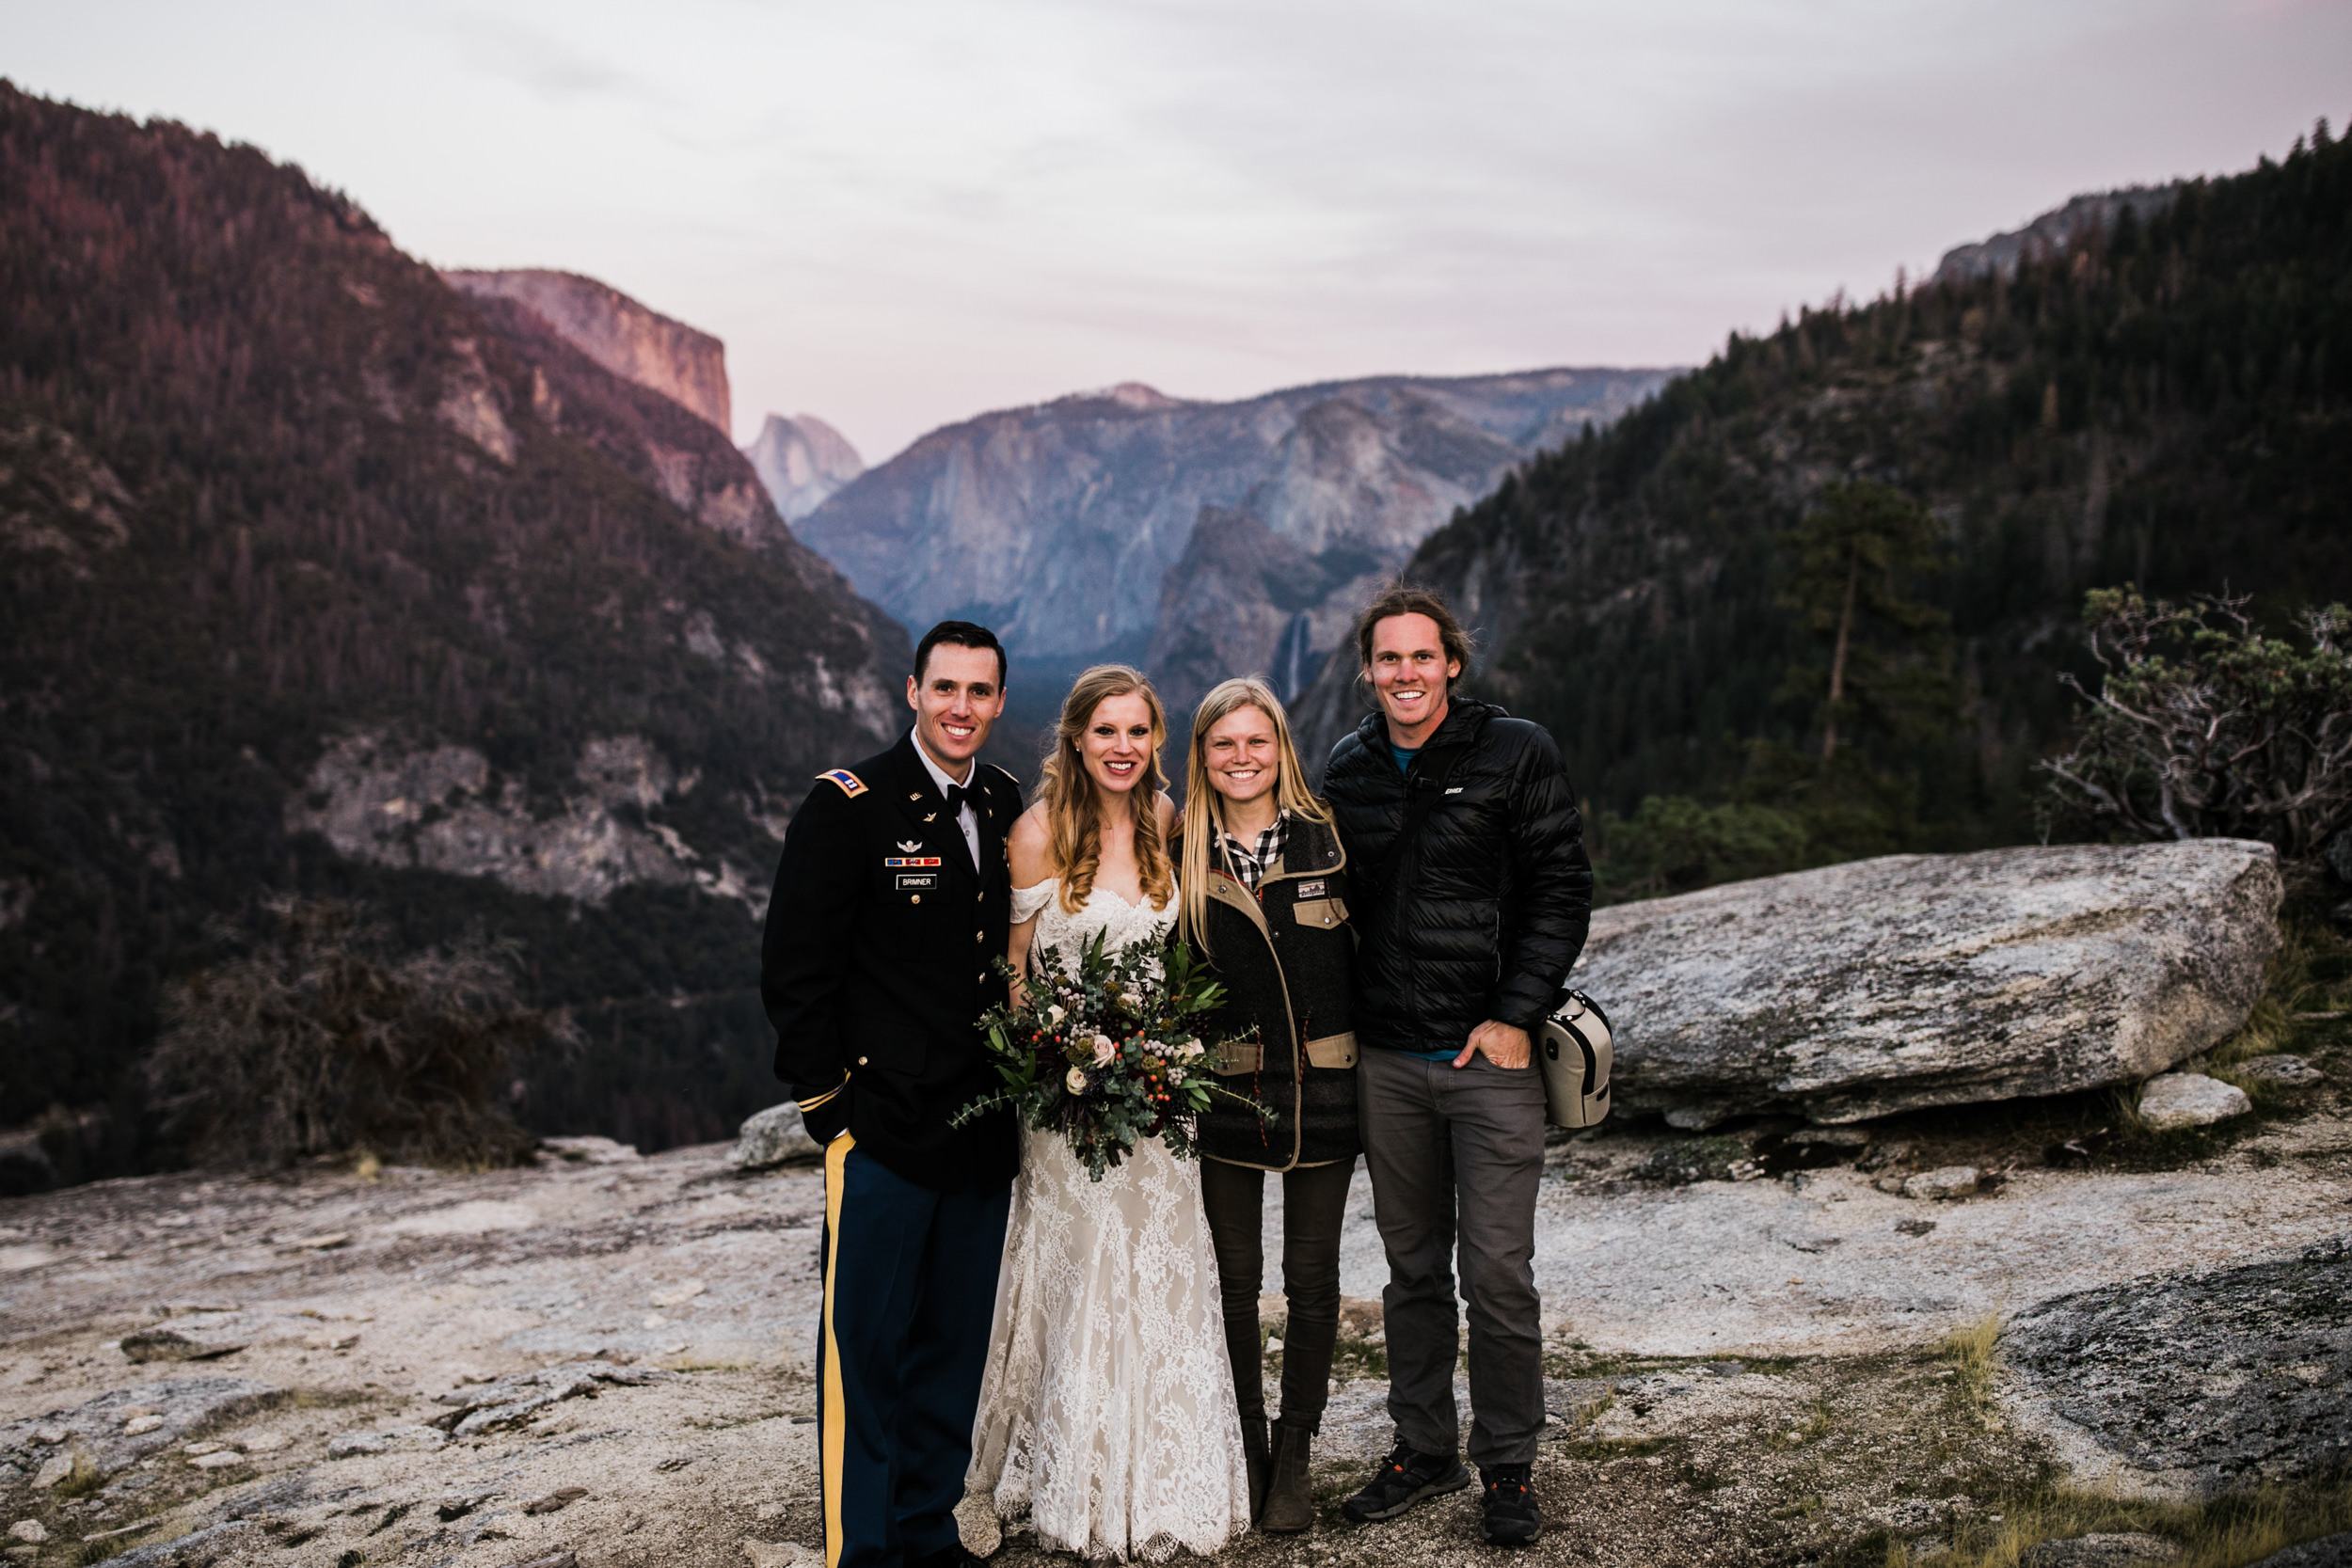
(1106, 1056)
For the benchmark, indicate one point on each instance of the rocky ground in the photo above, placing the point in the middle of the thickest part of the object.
(608, 1356)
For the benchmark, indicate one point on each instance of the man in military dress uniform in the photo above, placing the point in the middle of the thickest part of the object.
(892, 899)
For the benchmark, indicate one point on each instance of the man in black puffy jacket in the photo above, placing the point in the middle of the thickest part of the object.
(1472, 894)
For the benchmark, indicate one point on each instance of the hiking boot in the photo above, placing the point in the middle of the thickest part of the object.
(1511, 1517)
(1404, 1478)
(1290, 1505)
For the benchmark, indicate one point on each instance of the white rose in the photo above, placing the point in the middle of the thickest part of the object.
(1077, 1080)
(1193, 1047)
(1055, 1013)
(1103, 1050)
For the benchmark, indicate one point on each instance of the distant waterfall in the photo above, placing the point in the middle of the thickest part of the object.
(1295, 665)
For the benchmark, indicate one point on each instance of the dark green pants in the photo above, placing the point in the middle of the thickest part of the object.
(1314, 1205)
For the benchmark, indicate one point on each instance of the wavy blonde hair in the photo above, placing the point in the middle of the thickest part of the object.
(1074, 807)
(1204, 808)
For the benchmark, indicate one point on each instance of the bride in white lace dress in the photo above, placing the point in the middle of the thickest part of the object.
(1106, 1410)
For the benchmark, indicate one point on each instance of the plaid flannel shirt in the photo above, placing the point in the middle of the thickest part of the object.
(1250, 866)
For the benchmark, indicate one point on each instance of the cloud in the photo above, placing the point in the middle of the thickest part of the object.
(553, 68)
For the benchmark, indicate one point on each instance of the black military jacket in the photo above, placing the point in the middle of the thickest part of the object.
(1285, 1034)
(877, 961)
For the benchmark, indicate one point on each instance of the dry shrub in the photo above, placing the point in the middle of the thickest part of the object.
(320, 1040)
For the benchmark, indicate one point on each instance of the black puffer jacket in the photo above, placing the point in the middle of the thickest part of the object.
(1490, 904)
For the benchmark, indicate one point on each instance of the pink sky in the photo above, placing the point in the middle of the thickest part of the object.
(901, 214)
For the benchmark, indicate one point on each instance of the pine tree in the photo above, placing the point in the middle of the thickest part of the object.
(1855, 559)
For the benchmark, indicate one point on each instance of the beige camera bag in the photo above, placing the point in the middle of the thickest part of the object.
(1574, 1052)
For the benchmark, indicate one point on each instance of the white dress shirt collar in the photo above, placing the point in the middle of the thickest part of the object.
(940, 776)
(967, 819)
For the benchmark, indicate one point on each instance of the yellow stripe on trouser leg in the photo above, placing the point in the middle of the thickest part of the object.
(832, 1436)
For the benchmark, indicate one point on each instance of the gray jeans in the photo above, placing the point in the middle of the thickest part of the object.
(1457, 1154)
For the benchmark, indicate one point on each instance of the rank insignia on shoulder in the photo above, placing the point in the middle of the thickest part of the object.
(851, 784)
(910, 860)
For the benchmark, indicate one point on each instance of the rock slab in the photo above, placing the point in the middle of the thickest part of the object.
(99, 1429)
(2329, 1551)
(1910, 981)
(2174, 1101)
(2198, 1381)
(2125, 1549)
(511, 1401)
(773, 1137)
(200, 1337)
(235, 1541)
(2285, 1072)
(403, 1439)
(1944, 1182)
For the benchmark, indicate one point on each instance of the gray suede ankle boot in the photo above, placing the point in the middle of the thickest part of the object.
(1290, 1505)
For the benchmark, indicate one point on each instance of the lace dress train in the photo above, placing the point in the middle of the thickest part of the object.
(1106, 1410)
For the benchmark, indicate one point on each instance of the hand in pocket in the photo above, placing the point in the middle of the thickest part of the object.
(1500, 1044)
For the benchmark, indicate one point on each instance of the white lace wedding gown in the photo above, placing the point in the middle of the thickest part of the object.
(1107, 1411)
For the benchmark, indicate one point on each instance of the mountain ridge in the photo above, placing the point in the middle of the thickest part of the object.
(1059, 522)
(2053, 231)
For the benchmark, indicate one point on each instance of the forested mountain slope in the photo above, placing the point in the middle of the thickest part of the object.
(2162, 401)
(322, 577)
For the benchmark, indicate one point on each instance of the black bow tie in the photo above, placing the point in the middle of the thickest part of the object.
(959, 797)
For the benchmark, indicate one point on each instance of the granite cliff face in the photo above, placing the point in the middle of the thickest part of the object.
(632, 341)
(332, 580)
(682, 457)
(803, 460)
(1058, 524)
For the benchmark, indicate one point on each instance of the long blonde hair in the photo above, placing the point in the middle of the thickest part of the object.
(1204, 808)
(1074, 807)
